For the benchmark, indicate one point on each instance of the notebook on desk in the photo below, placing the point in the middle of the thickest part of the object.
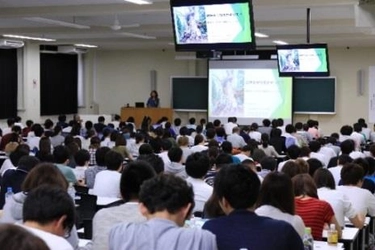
(139, 104)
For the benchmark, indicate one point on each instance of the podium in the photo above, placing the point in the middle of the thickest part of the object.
(139, 113)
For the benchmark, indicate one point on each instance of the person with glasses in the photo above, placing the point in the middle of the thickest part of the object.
(48, 212)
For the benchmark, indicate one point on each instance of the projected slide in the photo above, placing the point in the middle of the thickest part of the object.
(250, 94)
(303, 60)
(217, 23)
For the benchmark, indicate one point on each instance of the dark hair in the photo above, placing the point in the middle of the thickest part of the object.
(371, 165)
(302, 165)
(175, 154)
(314, 146)
(275, 132)
(192, 120)
(10, 121)
(238, 184)
(198, 139)
(324, 178)
(81, 157)
(363, 163)
(61, 154)
(293, 151)
(29, 123)
(298, 125)
(132, 178)
(291, 169)
(166, 144)
(351, 174)
(223, 159)
(314, 164)
(268, 163)
(217, 123)
(45, 145)
(344, 158)
(155, 92)
(197, 165)
(38, 130)
(17, 154)
(290, 129)
(226, 146)
(210, 133)
(346, 130)
(145, 149)
(101, 118)
(266, 122)
(46, 204)
(154, 160)
(265, 138)
(305, 151)
(113, 160)
(166, 192)
(14, 237)
(357, 127)
(28, 162)
(220, 132)
(48, 124)
(258, 155)
(277, 191)
(303, 184)
(177, 122)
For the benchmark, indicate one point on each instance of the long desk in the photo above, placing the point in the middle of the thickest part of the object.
(139, 113)
(349, 238)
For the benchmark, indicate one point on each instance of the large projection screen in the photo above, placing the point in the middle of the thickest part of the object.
(250, 90)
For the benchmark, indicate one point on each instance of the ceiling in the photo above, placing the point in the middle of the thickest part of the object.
(336, 22)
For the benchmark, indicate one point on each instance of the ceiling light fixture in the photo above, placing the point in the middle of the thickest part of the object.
(261, 35)
(136, 35)
(30, 38)
(85, 45)
(140, 2)
(279, 42)
(56, 22)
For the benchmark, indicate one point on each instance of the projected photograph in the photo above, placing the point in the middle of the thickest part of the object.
(227, 88)
(289, 60)
(191, 24)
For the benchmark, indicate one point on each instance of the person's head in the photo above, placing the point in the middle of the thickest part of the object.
(275, 133)
(38, 130)
(280, 122)
(314, 146)
(357, 127)
(364, 164)
(352, 175)
(177, 122)
(48, 124)
(175, 154)
(95, 142)
(324, 178)
(44, 174)
(265, 138)
(217, 123)
(226, 146)
(14, 237)
(183, 141)
(371, 165)
(166, 194)
(198, 139)
(246, 150)
(277, 191)
(166, 144)
(210, 133)
(298, 126)
(290, 129)
(236, 130)
(145, 149)
(237, 187)
(45, 145)
(28, 162)
(82, 157)
(197, 165)
(154, 94)
(268, 163)
(17, 154)
(100, 155)
(347, 146)
(10, 122)
(258, 155)
(346, 130)
(222, 160)
(302, 165)
(119, 139)
(132, 178)
(62, 118)
(155, 161)
(303, 185)
(113, 160)
(293, 152)
(139, 138)
(192, 120)
(29, 123)
(343, 159)
(314, 164)
(220, 132)
(254, 126)
(61, 154)
(291, 169)
(202, 121)
(266, 123)
(51, 207)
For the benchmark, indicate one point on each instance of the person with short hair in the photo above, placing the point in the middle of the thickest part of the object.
(254, 133)
(176, 167)
(237, 188)
(291, 169)
(245, 153)
(92, 171)
(14, 157)
(82, 159)
(235, 138)
(166, 201)
(336, 171)
(199, 144)
(191, 124)
(314, 164)
(266, 128)
(197, 166)
(100, 125)
(357, 136)
(131, 180)
(155, 161)
(315, 153)
(107, 181)
(293, 153)
(268, 165)
(61, 157)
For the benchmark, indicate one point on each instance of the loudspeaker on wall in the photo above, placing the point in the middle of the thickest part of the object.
(153, 80)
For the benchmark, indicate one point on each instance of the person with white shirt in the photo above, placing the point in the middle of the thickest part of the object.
(197, 166)
(183, 143)
(184, 132)
(106, 141)
(199, 144)
(336, 171)
(315, 148)
(254, 133)
(166, 145)
(365, 130)
(49, 213)
(293, 153)
(82, 159)
(10, 123)
(362, 200)
(176, 167)
(191, 124)
(339, 202)
(228, 127)
(107, 181)
(245, 153)
(357, 136)
(235, 138)
(276, 200)
(33, 142)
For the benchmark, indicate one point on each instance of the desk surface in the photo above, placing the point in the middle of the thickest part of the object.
(322, 245)
(367, 221)
(104, 201)
(348, 234)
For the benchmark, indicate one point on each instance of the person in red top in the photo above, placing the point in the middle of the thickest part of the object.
(315, 213)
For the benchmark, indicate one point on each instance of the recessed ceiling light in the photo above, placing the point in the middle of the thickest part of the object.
(141, 2)
(280, 42)
(85, 45)
(56, 22)
(261, 35)
(30, 38)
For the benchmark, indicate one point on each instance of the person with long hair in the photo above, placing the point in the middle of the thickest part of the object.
(153, 101)
(315, 213)
(268, 149)
(276, 200)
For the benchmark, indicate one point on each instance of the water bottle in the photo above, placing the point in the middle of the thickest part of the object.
(308, 241)
(332, 236)
(72, 191)
(8, 194)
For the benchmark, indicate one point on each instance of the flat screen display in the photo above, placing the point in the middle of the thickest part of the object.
(303, 60)
(212, 25)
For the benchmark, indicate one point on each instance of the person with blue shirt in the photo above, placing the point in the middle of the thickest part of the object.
(153, 101)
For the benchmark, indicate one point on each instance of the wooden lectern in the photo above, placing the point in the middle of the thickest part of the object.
(139, 113)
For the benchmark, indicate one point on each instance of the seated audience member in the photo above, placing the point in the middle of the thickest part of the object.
(339, 202)
(303, 134)
(290, 136)
(276, 200)
(27, 129)
(155, 161)
(183, 143)
(235, 138)
(362, 200)
(302, 165)
(14, 157)
(357, 136)
(176, 126)
(210, 135)
(245, 133)
(91, 172)
(371, 169)
(277, 141)
(332, 143)
(120, 147)
(49, 213)
(237, 188)
(61, 157)
(268, 165)
(326, 150)
(227, 148)
(166, 201)
(228, 127)
(293, 153)
(82, 159)
(48, 127)
(336, 171)
(145, 149)
(62, 121)
(191, 124)
(258, 155)
(291, 169)
(254, 133)
(199, 144)
(349, 148)
(107, 181)
(266, 128)
(313, 129)
(220, 161)
(184, 132)
(315, 153)
(15, 136)
(100, 125)
(134, 147)
(176, 167)
(165, 146)
(94, 145)
(245, 153)
(269, 150)
(33, 142)
(197, 166)
(8, 129)
(14, 178)
(366, 183)
(315, 213)
(131, 180)
(44, 153)
(220, 135)
(314, 164)
(14, 237)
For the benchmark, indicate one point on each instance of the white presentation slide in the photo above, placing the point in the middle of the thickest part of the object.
(248, 90)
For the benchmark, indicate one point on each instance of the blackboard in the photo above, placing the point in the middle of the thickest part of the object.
(314, 95)
(189, 93)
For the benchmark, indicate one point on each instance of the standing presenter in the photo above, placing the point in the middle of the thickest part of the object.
(153, 101)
